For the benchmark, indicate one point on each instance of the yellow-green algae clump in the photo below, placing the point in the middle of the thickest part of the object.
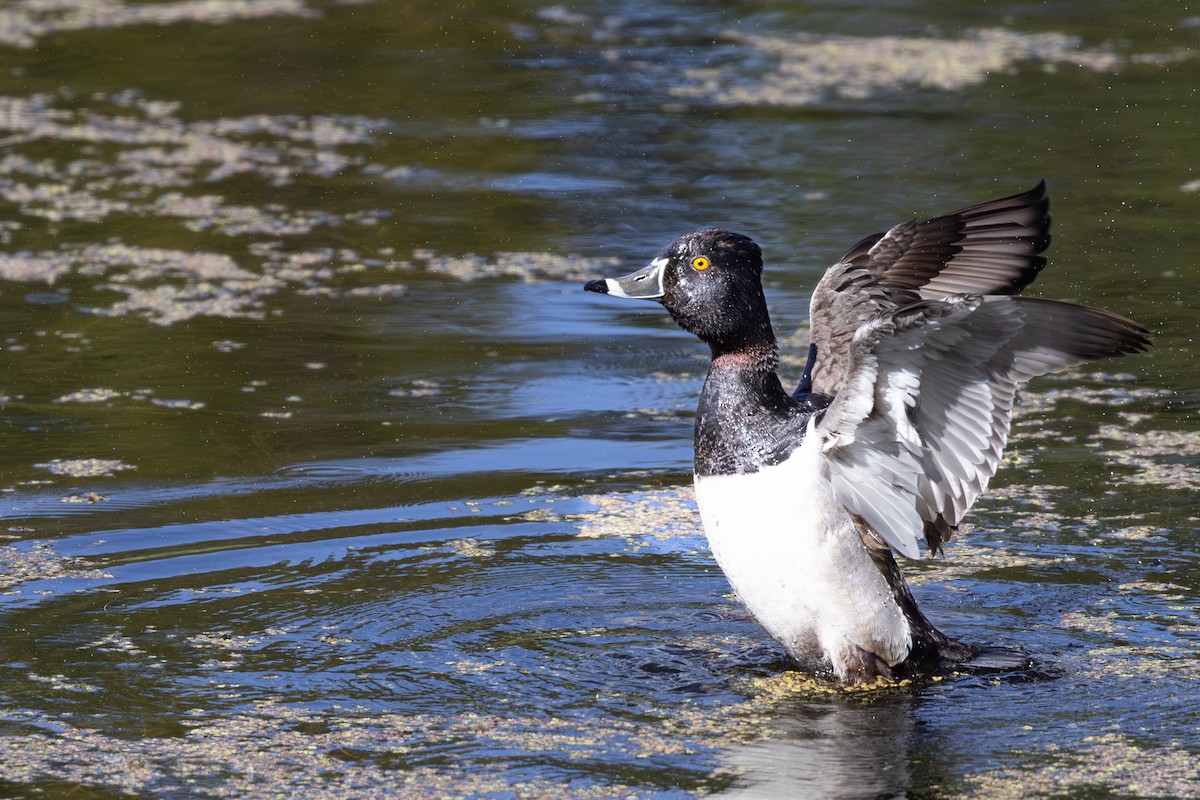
(810, 69)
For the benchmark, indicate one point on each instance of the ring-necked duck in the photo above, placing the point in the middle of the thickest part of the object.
(917, 349)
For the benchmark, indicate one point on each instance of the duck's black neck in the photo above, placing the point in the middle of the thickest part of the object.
(749, 356)
(747, 332)
(745, 419)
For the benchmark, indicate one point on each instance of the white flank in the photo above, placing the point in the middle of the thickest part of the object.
(791, 552)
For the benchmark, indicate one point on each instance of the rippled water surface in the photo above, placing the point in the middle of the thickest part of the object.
(323, 478)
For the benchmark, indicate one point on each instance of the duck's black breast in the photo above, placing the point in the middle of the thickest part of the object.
(745, 422)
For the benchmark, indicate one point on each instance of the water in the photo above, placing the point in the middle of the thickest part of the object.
(323, 477)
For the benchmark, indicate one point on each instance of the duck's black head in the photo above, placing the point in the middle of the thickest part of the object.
(710, 281)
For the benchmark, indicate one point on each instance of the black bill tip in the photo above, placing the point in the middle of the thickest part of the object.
(600, 286)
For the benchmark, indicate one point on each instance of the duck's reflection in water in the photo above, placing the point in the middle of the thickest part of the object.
(829, 750)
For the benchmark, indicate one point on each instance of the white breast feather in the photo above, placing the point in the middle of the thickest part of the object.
(790, 551)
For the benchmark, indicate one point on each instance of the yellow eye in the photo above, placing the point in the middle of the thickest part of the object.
(700, 263)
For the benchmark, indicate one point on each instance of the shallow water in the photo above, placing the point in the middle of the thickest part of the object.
(322, 477)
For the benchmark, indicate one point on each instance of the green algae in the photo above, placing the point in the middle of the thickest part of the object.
(662, 514)
(24, 22)
(279, 750)
(1111, 762)
(164, 167)
(768, 692)
(85, 467)
(1156, 457)
(284, 751)
(167, 287)
(40, 562)
(811, 69)
(528, 267)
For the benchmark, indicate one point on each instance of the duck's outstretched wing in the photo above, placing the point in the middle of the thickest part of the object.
(990, 248)
(917, 429)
